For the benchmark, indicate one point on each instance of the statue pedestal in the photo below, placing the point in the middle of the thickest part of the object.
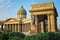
(33, 29)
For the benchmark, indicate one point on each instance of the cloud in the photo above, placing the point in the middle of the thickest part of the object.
(9, 5)
(3, 5)
(2, 1)
(6, 3)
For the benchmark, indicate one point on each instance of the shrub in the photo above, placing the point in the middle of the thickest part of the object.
(20, 36)
(1, 36)
(16, 35)
(11, 36)
(15, 38)
(27, 38)
(44, 36)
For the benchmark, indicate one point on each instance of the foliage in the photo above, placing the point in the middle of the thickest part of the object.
(1, 36)
(44, 36)
(8, 35)
(16, 36)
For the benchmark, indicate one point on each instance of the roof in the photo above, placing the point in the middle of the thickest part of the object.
(43, 7)
(1, 22)
(22, 10)
(11, 19)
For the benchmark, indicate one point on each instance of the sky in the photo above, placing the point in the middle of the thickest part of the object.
(9, 8)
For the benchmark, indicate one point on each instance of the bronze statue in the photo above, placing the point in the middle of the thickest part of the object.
(33, 20)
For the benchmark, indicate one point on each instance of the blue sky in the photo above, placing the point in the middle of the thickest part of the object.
(9, 8)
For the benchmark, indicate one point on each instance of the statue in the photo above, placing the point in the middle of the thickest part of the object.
(33, 20)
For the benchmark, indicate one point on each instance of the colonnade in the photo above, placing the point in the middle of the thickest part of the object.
(12, 27)
(51, 24)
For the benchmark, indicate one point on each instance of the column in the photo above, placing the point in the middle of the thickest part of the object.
(49, 24)
(23, 27)
(9, 26)
(15, 27)
(6, 26)
(42, 26)
(37, 24)
(52, 19)
(18, 28)
(1, 27)
(56, 24)
(39, 27)
(12, 27)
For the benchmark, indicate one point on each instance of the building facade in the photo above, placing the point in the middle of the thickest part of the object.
(43, 19)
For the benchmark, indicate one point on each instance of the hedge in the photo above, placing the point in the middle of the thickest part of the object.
(21, 36)
(16, 36)
(12, 36)
(44, 36)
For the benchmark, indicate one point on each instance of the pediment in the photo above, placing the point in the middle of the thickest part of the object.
(11, 20)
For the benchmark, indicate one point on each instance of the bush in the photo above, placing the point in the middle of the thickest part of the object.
(20, 36)
(11, 36)
(5, 37)
(57, 36)
(27, 38)
(16, 36)
(44, 36)
(1, 36)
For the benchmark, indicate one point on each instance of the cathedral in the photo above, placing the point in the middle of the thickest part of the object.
(43, 19)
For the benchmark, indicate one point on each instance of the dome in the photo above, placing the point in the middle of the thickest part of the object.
(22, 10)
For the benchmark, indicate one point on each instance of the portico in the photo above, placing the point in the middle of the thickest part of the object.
(46, 17)
(12, 24)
